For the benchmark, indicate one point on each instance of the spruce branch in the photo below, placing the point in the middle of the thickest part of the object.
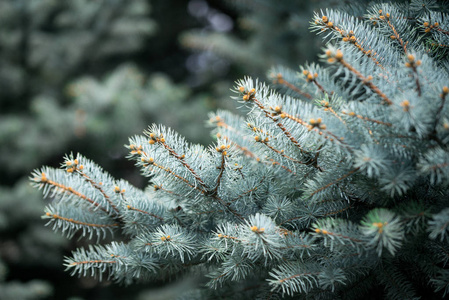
(318, 191)
(312, 78)
(444, 92)
(323, 24)
(386, 17)
(383, 229)
(411, 63)
(353, 114)
(279, 79)
(53, 187)
(71, 220)
(80, 165)
(158, 138)
(336, 56)
(337, 230)
(249, 96)
(145, 212)
(335, 182)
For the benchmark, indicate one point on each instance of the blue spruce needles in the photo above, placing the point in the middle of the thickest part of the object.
(336, 180)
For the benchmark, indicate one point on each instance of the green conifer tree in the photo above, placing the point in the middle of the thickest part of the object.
(45, 45)
(335, 185)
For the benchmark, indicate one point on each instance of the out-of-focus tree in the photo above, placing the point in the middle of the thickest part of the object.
(45, 43)
(265, 33)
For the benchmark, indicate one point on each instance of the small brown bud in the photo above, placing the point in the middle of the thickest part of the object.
(339, 55)
(405, 105)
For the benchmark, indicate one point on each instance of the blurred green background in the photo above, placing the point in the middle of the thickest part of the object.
(83, 76)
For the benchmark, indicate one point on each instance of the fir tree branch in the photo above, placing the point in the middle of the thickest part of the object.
(98, 261)
(256, 129)
(66, 189)
(252, 155)
(246, 192)
(282, 166)
(385, 17)
(181, 160)
(293, 278)
(443, 95)
(296, 246)
(327, 107)
(280, 152)
(335, 181)
(145, 212)
(282, 280)
(209, 212)
(226, 205)
(413, 65)
(70, 220)
(353, 114)
(435, 26)
(250, 97)
(348, 37)
(219, 122)
(148, 162)
(224, 236)
(244, 150)
(279, 79)
(439, 45)
(325, 232)
(98, 187)
(159, 187)
(336, 212)
(338, 57)
(442, 30)
(312, 78)
(315, 125)
(222, 168)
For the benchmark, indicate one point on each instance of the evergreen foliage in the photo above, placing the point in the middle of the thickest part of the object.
(57, 93)
(25, 243)
(335, 185)
(45, 43)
